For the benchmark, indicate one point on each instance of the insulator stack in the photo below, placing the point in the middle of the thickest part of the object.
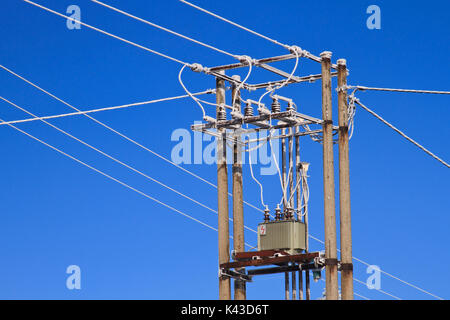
(248, 110)
(267, 215)
(222, 114)
(289, 214)
(278, 213)
(276, 106)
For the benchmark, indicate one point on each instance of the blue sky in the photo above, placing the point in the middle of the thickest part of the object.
(57, 213)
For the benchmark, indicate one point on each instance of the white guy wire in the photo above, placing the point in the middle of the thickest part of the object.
(362, 88)
(104, 109)
(256, 180)
(189, 93)
(401, 133)
(165, 29)
(108, 34)
(124, 136)
(241, 85)
(271, 91)
(114, 159)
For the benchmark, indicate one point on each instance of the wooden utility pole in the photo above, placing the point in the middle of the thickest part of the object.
(238, 200)
(222, 195)
(332, 290)
(344, 186)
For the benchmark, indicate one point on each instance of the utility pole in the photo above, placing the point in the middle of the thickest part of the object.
(222, 194)
(238, 200)
(332, 291)
(344, 186)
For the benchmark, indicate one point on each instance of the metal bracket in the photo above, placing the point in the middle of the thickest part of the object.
(345, 267)
(228, 273)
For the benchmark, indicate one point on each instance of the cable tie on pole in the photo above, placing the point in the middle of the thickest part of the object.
(197, 67)
(297, 50)
(245, 59)
(344, 88)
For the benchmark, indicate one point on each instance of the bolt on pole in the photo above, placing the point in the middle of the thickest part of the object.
(238, 200)
(332, 291)
(222, 196)
(344, 186)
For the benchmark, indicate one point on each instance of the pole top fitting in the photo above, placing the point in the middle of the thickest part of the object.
(342, 62)
(197, 67)
(245, 59)
(296, 50)
(326, 55)
(236, 77)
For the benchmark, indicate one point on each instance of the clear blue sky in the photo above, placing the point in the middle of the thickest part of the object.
(55, 213)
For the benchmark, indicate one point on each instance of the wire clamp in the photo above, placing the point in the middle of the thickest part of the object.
(246, 60)
(237, 275)
(197, 67)
(343, 89)
(297, 50)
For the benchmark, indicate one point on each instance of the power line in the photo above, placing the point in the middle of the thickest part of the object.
(115, 159)
(110, 177)
(361, 296)
(401, 133)
(355, 293)
(166, 29)
(379, 290)
(362, 88)
(109, 34)
(101, 109)
(122, 135)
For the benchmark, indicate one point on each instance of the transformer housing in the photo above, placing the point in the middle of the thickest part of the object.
(285, 235)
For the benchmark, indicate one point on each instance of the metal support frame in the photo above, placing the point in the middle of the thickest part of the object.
(263, 64)
(291, 121)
